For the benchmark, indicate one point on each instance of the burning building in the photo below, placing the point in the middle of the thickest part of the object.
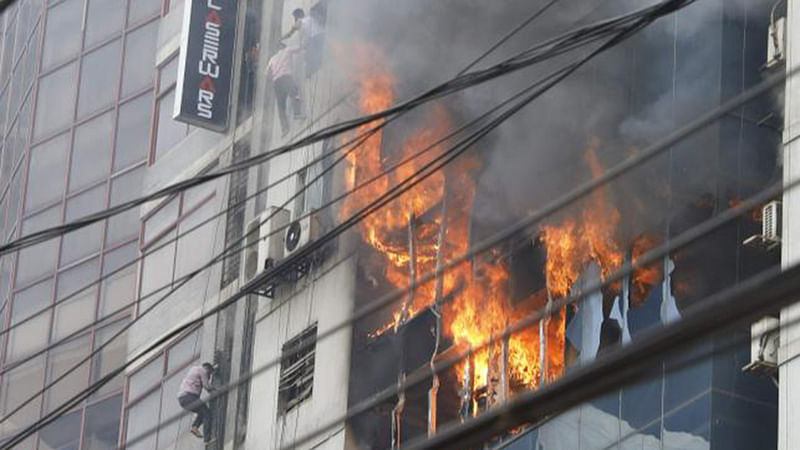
(376, 54)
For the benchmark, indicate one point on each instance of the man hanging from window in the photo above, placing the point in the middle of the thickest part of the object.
(312, 37)
(192, 386)
(280, 69)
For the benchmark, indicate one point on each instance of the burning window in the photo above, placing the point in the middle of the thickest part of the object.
(297, 370)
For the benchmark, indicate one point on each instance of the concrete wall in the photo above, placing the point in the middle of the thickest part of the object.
(789, 364)
(326, 297)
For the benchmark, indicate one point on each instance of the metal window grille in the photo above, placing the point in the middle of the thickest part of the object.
(297, 370)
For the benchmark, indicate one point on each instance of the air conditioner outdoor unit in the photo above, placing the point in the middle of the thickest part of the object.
(771, 222)
(764, 344)
(776, 43)
(299, 233)
(266, 230)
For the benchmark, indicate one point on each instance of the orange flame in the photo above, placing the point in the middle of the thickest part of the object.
(644, 278)
(479, 307)
(571, 245)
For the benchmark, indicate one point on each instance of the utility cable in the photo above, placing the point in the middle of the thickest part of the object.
(241, 294)
(509, 35)
(753, 298)
(651, 256)
(158, 247)
(149, 309)
(533, 218)
(567, 42)
(621, 35)
(280, 229)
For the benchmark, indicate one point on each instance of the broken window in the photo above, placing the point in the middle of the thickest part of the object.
(297, 370)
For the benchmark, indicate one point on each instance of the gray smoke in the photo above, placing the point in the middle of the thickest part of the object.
(627, 98)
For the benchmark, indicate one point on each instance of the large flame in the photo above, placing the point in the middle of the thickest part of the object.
(477, 306)
(571, 244)
(475, 295)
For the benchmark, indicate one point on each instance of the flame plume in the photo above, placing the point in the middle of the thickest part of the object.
(479, 307)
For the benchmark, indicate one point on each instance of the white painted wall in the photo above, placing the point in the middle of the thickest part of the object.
(789, 371)
(326, 300)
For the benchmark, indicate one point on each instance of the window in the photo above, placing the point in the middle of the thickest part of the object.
(56, 100)
(152, 394)
(77, 312)
(18, 385)
(125, 187)
(101, 428)
(62, 36)
(133, 131)
(168, 260)
(85, 241)
(142, 9)
(140, 49)
(28, 337)
(110, 357)
(91, 152)
(118, 290)
(168, 131)
(47, 173)
(99, 78)
(62, 359)
(297, 370)
(103, 19)
(168, 74)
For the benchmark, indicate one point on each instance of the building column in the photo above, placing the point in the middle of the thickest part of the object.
(788, 355)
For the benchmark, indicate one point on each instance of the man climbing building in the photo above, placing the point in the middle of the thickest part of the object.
(280, 69)
(312, 37)
(191, 387)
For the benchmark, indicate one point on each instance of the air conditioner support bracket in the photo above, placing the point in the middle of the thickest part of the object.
(289, 274)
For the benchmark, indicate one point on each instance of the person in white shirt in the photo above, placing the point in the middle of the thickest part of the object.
(189, 392)
(280, 69)
(311, 33)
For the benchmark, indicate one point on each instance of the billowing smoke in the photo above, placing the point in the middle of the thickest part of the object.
(678, 68)
(619, 103)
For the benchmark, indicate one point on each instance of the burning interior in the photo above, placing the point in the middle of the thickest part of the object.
(433, 223)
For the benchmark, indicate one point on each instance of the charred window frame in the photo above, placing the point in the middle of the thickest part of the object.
(296, 381)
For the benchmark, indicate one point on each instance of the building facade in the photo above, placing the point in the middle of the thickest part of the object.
(788, 351)
(79, 123)
(87, 92)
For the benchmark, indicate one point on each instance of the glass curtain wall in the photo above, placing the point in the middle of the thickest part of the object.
(77, 88)
(694, 401)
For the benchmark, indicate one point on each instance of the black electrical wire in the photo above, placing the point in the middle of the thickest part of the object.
(554, 47)
(149, 309)
(651, 256)
(311, 247)
(154, 249)
(389, 196)
(234, 248)
(558, 204)
(168, 337)
(4, 4)
(509, 35)
(748, 301)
